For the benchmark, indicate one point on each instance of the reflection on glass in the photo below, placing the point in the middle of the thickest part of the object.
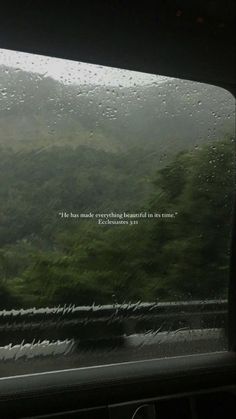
(116, 192)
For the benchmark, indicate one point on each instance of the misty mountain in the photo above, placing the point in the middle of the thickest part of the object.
(71, 148)
(37, 111)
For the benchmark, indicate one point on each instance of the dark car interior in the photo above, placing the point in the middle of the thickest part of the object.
(191, 40)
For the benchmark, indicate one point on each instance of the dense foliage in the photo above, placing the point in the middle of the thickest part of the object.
(46, 260)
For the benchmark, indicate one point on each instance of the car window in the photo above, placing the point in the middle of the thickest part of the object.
(116, 191)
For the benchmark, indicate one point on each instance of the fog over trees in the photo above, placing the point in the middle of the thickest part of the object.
(158, 148)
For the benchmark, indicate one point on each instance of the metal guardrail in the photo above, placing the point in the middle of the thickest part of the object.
(105, 322)
(111, 311)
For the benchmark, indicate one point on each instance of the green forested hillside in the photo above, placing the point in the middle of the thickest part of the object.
(46, 260)
(38, 111)
(163, 148)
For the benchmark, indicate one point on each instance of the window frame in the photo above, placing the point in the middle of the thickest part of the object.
(117, 383)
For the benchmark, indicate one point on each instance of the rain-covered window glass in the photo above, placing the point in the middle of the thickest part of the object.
(116, 201)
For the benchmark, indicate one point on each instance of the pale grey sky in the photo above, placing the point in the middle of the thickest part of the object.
(68, 71)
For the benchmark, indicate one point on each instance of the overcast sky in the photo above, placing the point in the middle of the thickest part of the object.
(68, 71)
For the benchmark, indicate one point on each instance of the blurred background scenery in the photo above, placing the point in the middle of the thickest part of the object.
(81, 138)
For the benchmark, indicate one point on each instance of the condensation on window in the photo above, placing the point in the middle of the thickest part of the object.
(116, 191)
